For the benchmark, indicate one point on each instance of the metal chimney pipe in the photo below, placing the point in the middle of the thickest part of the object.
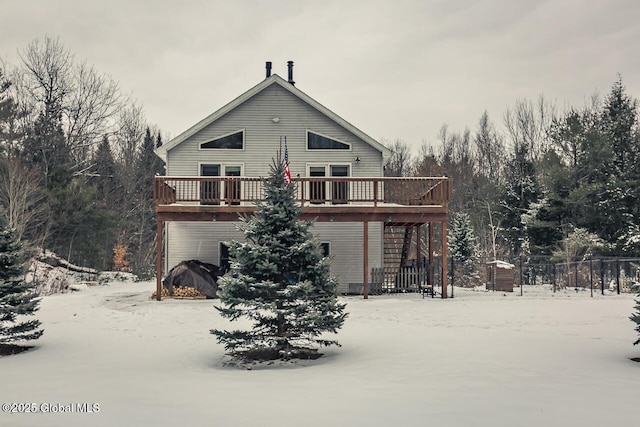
(290, 77)
(268, 68)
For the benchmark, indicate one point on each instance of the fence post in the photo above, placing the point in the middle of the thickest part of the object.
(521, 281)
(453, 273)
(602, 275)
(591, 276)
(618, 276)
(554, 277)
(576, 275)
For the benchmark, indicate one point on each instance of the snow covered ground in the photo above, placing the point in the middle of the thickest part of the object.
(480, 359)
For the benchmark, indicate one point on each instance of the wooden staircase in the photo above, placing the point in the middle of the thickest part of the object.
(397, 241)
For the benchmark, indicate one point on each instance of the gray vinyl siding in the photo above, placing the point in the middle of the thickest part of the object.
(197, 240)
(201, 241)
(347, 249)
(262, 139)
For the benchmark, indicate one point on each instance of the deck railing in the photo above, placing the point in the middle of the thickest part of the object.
(243, 190)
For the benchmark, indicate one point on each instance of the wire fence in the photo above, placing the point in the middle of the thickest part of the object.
(517, 274)
(535, 273)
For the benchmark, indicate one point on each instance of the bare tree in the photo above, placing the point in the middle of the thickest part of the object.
(92, 105)
(456, 158)
(48, 67)
(489, 150)
(426, 164)
(84, 101)
(131, 127)
(400, 162)
(527, 123)
(23, 203)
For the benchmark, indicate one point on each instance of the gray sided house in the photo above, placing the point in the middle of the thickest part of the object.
(214, 172)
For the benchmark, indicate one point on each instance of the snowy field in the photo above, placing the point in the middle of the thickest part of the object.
(480, 359)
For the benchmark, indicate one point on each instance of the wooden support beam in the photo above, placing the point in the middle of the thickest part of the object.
(431, 254)
(418, 245)
(365, 247)
(159, 259)
(444, 259)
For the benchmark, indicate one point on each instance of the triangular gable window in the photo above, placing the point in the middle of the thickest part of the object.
(233, 141)
(320, 142)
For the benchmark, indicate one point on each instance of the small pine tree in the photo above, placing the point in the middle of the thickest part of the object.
(17, 297)
(280, 281)
(461, 239)
(463, 248)
(635, 317)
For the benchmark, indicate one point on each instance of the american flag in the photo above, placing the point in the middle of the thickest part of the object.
(287, 171)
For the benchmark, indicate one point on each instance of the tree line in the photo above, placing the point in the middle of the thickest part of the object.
(545, 182)
(76, 161)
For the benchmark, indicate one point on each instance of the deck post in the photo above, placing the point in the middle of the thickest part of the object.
(365, 247)
(419, 263)
(159, 259)
(444, 259)
(431, 254)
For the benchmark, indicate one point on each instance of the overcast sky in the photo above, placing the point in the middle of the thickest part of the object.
(395, 69)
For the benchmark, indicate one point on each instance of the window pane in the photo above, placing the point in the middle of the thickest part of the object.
(210, 170)
(326, 249)
(316, 171)
(340, 170)
(224, 257)
(232, 170)
(230, 142)
(319, 142)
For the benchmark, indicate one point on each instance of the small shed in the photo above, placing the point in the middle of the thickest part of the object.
(501, 276)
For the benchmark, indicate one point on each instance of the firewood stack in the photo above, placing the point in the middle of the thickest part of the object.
(180, 292)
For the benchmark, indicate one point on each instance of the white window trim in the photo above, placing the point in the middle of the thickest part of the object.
(244, 142)
(327, 171)
(223, 167)
(327, 167)
(315, 150)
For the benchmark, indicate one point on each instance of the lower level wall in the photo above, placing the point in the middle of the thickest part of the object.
(201, 241)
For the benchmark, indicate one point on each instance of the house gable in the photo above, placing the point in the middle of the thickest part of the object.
(270, 110)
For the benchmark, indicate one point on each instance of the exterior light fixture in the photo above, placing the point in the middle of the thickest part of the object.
(276, 120)
(357, 159)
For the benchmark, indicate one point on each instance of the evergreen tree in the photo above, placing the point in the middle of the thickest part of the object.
(463, 248)
(17, 297)
(521, 190)
(280, 281)
(461, 239)
(142, 215)
(635, 317)
(104, 169)
(7, 113)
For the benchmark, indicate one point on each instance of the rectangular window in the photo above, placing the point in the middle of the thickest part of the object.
(209, 191)
(326, 249)
(225, 264)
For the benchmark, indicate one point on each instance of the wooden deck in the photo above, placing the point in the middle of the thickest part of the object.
(409, 202)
